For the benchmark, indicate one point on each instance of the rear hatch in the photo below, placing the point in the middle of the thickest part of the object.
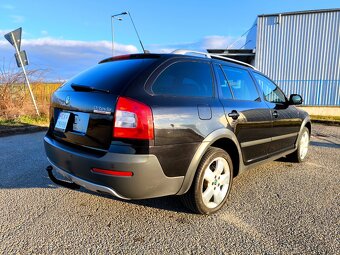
(82, 110)
(77, 121)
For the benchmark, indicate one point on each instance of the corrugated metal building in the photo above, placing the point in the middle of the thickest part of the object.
(300, 51)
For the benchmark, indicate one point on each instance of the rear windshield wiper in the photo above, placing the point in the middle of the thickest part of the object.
(88, 88)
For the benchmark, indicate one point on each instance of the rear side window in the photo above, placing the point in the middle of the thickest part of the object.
(112, 76)
(241, 84)
(223, 83)
(185, 79)
(271, 92)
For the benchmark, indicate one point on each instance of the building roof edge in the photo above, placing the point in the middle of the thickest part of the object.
(300, 12)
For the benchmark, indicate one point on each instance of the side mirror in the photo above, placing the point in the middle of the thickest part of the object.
(295, 99)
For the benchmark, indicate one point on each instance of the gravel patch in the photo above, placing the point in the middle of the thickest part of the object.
(277, 208)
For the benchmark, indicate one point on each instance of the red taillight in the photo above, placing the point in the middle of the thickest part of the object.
(133, 120)
(111, 172)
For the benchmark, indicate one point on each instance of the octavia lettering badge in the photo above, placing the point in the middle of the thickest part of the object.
(67, 100)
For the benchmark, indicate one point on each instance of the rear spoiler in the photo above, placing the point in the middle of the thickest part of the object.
(130, 56)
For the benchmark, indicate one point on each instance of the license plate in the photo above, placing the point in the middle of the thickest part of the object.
(62, 121)
(81, 121)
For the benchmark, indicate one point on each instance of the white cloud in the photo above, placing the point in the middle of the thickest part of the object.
(65, 58)
(62, 58)
(208, 42)
(217, 42)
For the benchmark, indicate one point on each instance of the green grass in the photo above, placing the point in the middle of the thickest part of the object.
(25, 121)
(41, 120)
(10, 123)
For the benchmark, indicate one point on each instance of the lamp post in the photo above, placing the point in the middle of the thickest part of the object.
(112, 31)
(113, 17)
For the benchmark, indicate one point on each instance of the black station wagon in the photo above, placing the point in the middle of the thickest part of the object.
(150, 125)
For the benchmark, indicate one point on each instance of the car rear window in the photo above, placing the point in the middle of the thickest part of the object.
(112, 76)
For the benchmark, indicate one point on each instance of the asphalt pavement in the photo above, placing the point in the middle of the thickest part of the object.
(277, 208)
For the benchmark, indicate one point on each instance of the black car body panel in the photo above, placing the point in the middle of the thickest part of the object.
(94, 129)
(148, 179)
(190, 112)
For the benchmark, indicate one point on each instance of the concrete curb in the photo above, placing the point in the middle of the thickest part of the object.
(327, 122)
(21, 130)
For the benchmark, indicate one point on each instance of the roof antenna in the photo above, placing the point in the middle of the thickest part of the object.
(133, 23)
(141, 44)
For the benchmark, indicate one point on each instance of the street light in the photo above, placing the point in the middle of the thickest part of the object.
(112, 32)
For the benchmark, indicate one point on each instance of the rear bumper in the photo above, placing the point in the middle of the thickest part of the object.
(148, 178)
(86, 184)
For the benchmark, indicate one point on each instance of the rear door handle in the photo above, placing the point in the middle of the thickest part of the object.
(234, 114)
(275, 114)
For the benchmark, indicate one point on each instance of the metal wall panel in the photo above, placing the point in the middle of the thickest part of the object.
(301, 52)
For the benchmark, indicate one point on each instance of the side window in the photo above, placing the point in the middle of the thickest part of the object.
(185, 79)
(223, 83)
(271, 92)
(241, 84)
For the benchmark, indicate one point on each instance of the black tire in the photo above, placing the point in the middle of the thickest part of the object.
(203, 184)
(297, 156)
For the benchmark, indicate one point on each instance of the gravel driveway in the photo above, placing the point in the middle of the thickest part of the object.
(277, 208)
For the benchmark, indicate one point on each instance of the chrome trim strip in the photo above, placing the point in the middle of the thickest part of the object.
(255, 142)
(102, 112)
(267, 140)
(210, 55)
(275, 138)
(86, 184)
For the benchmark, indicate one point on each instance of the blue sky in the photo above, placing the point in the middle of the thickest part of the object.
(65, 37)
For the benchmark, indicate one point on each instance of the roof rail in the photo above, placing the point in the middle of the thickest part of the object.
(209, 55)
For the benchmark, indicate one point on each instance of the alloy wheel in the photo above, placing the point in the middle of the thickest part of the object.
(216, 182)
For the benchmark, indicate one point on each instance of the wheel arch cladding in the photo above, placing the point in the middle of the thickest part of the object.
(309, 126)
(221, 138)
(230, 147)
(305, 123)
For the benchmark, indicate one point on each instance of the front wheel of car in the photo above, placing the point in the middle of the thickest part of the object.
(212, 183)
(302, 147)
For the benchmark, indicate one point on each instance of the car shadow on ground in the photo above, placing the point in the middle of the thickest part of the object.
(37, 177)
(325, 144)
(284, 159)
(167, 203)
